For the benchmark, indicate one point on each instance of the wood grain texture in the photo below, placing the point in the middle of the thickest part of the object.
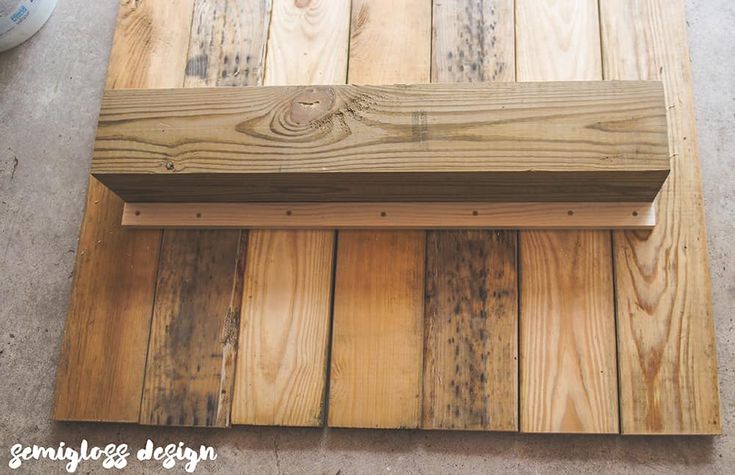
(307, 42)
(103, 355)
(563, 141)
(285, 329)
(281, 376)
(377, 329)
(470, 376)
(567, 317)
(196, 317)
(227, 46)
(193, 342)
(391, 215)
(666, 335)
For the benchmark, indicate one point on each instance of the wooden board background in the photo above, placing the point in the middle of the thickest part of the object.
(612, 332)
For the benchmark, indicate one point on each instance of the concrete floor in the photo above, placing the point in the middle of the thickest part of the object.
(49, 99)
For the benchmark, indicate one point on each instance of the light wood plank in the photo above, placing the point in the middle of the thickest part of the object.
(196, 317)
(193, 345)
(391, 215)
(377, 330)
(281, 376)
(567, 319)
(470, 376)
(666, 334)
(377, 334)
(557, 141)
(285, 329)
(103, 355)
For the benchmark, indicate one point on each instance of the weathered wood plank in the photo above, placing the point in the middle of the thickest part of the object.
(391, 215)
(193, 330)
(285, 329)
(666, 335)
(191, 356)
(102, 362)
(563, 141)
(377, 329)
(567, 316)
(281, 375)
(470, 376)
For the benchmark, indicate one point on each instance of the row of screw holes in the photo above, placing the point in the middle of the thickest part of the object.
(384, 214)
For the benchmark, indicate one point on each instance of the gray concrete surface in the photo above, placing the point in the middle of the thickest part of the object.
(49, 98)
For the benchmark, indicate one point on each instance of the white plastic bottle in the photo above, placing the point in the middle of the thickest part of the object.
(21, 19)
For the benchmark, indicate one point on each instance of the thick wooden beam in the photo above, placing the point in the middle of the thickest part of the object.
(560, 141)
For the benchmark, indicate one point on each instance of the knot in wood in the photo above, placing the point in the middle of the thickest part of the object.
(312, 104)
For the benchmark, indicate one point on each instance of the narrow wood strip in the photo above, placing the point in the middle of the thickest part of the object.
(102, 362)
(666, 334)
(377, 342)
(470, 376)
(281, 375)
(391, 215)
(191, 364)
(191, 357)
(567, 319)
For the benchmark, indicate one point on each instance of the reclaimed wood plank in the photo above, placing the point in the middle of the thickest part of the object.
(281, 376)
(470, 379)
(377, 329)
(567, 320)
(103, 355)
(191, 364)
(191, 356)
(282, 363)
(666, 335)
(391, 215)
(543, 141)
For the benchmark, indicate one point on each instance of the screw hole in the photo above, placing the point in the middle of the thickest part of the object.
(383, 214)
(137, 213)
(289, 212)
(635, 213)
(570, 212)
(199, 215)
(475, 213)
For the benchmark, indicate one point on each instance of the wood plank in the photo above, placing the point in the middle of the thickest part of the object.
(281, 376)
(191, 364)
(666, 336)
(285, 329)
(102, 362)
(470, 378)
(191, 357)
(558, 141)
(377, 329)
(391, 215)
(567, 319)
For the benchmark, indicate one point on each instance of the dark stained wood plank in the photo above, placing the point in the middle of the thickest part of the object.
(567, 317)
(666, 332)
(103, 355)
(471, 325)
(194, 336)
(196, 320)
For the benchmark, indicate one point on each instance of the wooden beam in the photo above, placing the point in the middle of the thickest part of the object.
(103, 354)
(666, 332)
(390, 215)
(563, 141)
(567, 321)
